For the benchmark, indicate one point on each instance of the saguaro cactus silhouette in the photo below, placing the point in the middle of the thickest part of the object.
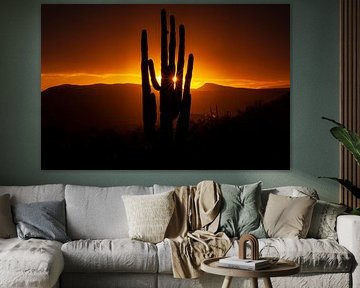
(175, 101)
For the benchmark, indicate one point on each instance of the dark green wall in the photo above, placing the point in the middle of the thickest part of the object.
(314, 93)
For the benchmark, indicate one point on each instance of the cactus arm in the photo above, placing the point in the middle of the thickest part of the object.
(148, 98)
(172, 45)
(144, 64)
(188, 75)
(164, 92)
(154, 81)
(181, 61)
(164, 52)
(180, 67)
(184, 115)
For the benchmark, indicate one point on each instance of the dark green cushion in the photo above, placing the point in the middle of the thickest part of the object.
(43, 220)
(240, 213)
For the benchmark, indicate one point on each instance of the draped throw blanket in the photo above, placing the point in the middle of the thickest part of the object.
(191, 231)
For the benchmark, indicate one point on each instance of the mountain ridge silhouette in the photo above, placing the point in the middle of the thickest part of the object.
(119, 106)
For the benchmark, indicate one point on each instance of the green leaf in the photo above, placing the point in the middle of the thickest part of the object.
(349, 139)
(355, 211)
(347, 184)
(333, 121)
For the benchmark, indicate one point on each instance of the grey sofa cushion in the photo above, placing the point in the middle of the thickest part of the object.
(117, 255)
(31, 263)
(98, 212)
(44, 220)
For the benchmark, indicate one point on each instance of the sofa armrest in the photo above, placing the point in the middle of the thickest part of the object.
(348, 230)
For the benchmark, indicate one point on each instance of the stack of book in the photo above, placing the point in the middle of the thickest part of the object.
(236, 262)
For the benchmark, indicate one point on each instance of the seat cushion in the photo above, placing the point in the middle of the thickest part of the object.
(30, 263)
(110, 255)
(313, 255)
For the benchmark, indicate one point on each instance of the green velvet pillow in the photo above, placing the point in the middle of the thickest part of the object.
(240, 212)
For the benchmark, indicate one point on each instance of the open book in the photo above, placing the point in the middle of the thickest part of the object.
(236, 262)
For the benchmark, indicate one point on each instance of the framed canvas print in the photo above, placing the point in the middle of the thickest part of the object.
(176, 86)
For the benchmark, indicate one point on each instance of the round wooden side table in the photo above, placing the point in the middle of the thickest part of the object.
(281, 268)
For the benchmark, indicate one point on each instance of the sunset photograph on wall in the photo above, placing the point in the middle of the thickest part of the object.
(165, 87)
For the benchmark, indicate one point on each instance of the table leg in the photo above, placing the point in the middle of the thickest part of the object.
(267, 282)
(254, 282)
(227, 282)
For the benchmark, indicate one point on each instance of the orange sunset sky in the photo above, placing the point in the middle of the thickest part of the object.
(234, 45)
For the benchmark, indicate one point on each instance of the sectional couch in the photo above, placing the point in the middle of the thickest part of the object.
(100, 253)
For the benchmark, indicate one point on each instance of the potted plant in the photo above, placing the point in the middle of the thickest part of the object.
(351, 142)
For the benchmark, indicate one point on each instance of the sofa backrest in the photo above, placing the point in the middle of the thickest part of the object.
(98, 212)
(37, 193)
(293, 191)
(163, 188)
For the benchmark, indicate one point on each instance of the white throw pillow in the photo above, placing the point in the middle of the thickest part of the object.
(149, 215)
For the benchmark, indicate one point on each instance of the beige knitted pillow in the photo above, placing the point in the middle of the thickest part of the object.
(149, 215)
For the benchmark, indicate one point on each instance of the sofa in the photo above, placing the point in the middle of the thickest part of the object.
(99, 252)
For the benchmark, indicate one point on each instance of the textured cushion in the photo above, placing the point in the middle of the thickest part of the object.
(287, 216)
(164, 257)
(37, 193)
(98, 212)
(313, 255)
(31, 263)
(117, 255)
(240, 213)
(7, 227)
(323, 222)
(149, 215)
(44, 220)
